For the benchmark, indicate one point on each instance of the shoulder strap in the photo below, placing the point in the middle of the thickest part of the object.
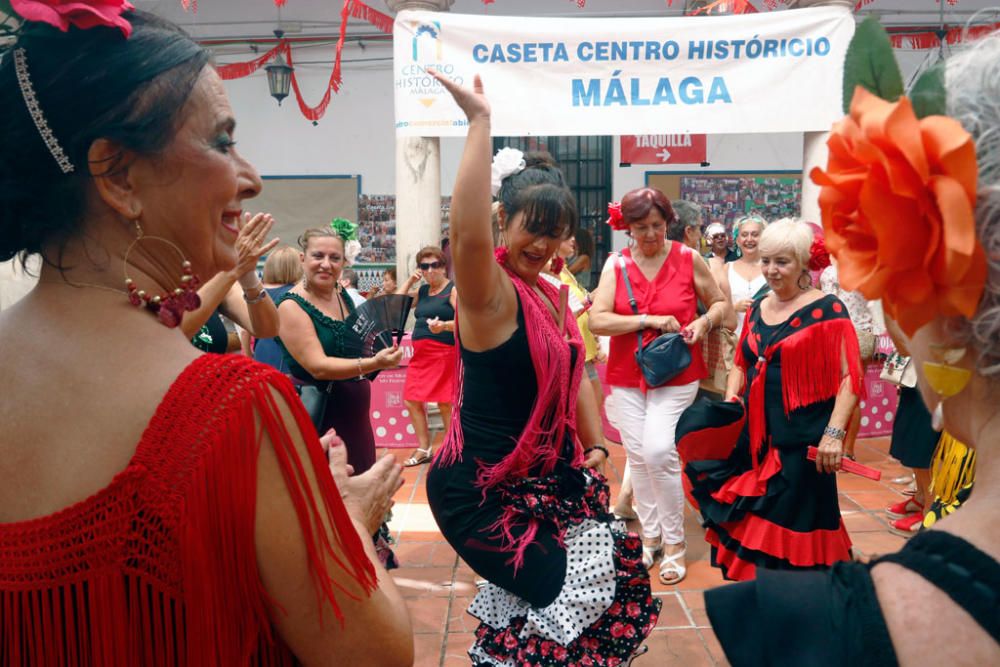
(631, 299)
(970, 577)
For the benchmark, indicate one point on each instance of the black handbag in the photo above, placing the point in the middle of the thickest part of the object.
(663, 358)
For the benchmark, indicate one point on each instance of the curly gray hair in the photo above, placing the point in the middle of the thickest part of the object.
(973, 83)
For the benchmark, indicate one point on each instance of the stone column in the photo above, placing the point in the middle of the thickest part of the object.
(814, 150)
(418, 177)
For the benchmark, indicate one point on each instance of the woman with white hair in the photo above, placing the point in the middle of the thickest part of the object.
(798, 374)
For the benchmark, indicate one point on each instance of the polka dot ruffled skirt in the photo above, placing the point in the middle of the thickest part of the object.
(603, 612)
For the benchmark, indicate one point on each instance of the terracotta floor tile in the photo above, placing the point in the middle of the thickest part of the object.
(425, 554)
(846, 504)
(875, 500)
(676, 647)
(672, 613)
(714, 648)
(847, 482)
(427, 650)
(862, 522)
(459, 620)
(456, 649)
(876, 544)
(428, 615)
(424, 581)
(695, 603)
(420, 536)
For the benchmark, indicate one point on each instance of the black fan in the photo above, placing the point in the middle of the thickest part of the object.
(375, 325)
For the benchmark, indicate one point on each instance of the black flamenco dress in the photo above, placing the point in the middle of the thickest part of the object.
(766, 505)
(578, 593)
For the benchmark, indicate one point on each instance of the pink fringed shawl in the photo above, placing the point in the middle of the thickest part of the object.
(552, 417)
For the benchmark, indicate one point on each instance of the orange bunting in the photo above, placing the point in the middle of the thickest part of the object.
(898, 199)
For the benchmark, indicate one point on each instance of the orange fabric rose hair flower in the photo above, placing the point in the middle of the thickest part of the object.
(898, 199)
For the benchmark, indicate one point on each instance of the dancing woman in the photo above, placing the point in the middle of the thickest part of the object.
(510, 488)
(798, 373)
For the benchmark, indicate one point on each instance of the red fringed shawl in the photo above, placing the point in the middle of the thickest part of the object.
(159, 567)
(815, 346)
(552, 417)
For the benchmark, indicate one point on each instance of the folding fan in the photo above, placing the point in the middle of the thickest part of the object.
(375, 325)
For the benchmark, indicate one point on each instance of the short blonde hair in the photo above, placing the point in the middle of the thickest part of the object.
(283, 266)
(787, 234)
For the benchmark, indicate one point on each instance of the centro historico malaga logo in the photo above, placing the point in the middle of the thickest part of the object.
(412, 77)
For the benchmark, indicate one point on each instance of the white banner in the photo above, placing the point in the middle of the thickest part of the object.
(773, 72)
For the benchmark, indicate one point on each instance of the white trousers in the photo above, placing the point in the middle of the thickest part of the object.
(647, 423)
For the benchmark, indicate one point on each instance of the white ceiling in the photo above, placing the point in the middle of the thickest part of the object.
(257, 18)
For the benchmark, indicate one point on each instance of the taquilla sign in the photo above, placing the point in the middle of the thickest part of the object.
(775, 72)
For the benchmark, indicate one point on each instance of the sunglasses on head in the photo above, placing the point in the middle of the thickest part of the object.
(427, 266)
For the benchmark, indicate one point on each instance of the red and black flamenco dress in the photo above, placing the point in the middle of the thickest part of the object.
(766, 505)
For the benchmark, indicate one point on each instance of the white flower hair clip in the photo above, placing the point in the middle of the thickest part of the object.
(352, 249)
(507, 161)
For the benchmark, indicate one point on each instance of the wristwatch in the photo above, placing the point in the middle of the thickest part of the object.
(835, 433)
(642, 321)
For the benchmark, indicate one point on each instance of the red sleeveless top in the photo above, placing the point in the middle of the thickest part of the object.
(159, 567)
(671, 292)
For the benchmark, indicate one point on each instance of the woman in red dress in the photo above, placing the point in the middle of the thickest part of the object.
(158, 506)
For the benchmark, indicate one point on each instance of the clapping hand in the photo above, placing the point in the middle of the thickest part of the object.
(251, 243)
(368, 496)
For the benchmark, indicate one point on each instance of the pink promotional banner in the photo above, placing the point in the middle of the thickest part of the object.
(664, 148)
(390, 418)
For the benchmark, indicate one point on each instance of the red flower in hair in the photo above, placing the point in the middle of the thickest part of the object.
(819, 258)
(83, 14)
(615, 218)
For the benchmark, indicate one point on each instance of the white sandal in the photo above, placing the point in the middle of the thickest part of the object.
(650, 554)
(418, 459)
(669, 564)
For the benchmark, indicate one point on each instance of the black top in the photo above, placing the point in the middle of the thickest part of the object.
(430, 306)
(833, 618)
(499, 390)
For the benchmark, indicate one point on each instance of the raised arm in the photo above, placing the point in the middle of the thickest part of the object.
(471, 236)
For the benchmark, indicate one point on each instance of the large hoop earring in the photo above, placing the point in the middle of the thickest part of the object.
(944, 378)
(808, 280)
(169, 307)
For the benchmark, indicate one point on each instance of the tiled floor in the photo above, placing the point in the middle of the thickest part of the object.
(439, 587)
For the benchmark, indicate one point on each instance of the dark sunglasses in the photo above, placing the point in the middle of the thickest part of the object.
(427, 266)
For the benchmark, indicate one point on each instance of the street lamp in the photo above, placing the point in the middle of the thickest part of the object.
(279, 74)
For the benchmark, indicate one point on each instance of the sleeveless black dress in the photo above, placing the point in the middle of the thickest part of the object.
(582, 591)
